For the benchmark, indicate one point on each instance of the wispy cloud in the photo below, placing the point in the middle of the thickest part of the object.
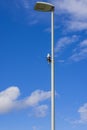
(40, 111)
(83, 44)
(36, 127)
(26, 4)
(76, 25)
(80, 52)
(64, 42)
(9, 100)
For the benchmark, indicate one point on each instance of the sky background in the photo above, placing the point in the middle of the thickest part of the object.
(25, 40)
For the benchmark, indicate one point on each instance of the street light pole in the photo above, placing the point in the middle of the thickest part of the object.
(47, 7)
(52, 74)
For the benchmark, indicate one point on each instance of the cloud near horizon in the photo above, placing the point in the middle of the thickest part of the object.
(82, 111)
(9, 100)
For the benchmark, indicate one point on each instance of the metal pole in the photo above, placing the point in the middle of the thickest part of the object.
(52, 74)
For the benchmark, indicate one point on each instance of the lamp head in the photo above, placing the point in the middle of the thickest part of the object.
(44, 6)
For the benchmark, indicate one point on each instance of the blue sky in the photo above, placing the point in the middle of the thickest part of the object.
(25, 74)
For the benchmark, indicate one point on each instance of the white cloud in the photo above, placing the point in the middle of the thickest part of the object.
(36, 97)
(64, 41)
(73, 15)
(76, 11)
(9, 100)
(82, 111)
(77, 8)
